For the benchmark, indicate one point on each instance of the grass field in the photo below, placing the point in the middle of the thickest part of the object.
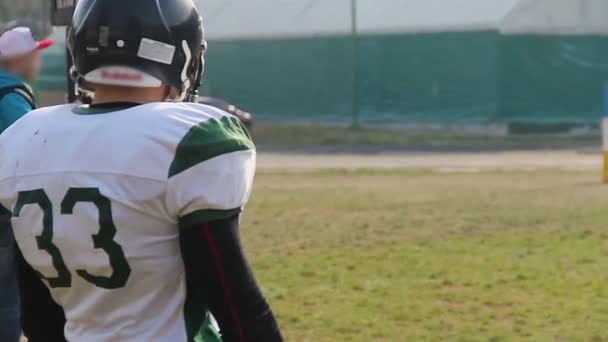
(426, 256)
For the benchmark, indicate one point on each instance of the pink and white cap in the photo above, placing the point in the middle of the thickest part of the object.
(20, 41)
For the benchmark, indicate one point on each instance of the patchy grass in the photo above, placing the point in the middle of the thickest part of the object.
(422, 256)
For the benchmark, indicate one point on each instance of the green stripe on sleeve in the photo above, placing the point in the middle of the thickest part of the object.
(198, 319)
(205, 216)
(208, 140)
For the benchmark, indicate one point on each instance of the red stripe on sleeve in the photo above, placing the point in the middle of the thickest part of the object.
(220, 270)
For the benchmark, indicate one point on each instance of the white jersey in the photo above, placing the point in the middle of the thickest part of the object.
(97, 199)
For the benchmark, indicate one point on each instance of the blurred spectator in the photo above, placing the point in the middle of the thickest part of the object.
(19, 66)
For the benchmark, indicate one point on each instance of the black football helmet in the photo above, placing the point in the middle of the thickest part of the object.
(138, 43)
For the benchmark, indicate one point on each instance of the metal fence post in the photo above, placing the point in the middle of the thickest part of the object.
(355, 40)
(605, 135)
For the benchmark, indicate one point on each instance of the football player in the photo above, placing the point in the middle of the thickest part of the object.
(126, 211)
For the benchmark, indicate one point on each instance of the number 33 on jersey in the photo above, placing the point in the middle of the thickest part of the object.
(97, 198)
(103, 240)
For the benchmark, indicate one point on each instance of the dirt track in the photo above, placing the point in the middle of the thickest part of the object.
(528, 160)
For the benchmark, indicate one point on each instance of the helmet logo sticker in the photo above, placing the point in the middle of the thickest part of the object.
(156, 51)
(121, 75)
(104, 36)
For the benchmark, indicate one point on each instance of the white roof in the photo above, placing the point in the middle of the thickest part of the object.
(557, 17)
(431, 15)
(280, 18)
(249, 19)
(274, 18)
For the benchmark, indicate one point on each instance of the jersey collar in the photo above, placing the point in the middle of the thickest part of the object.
(104, 108)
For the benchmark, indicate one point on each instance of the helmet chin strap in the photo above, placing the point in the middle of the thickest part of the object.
(192, 81)
(186, 83)
(81, 92)
(199, 70)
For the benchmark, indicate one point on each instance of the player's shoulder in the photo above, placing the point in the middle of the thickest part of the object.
(45, 112)
(37, 118)
(189, 114)
(202, 133)
(52, 110)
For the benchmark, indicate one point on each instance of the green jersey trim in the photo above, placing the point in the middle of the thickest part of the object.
(208, 140)
(205, 216)
(198, 320)
(208, 333)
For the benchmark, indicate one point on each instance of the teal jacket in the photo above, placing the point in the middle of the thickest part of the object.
(12, 106)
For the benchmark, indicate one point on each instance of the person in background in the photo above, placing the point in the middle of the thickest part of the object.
(20, 62)
(128, 209)
(19, 66)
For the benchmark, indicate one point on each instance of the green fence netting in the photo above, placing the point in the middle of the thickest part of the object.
(449, 77)
(442, 77)
(552, 79)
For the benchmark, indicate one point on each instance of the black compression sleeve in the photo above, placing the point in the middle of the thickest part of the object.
(215, 263)
(41, 318)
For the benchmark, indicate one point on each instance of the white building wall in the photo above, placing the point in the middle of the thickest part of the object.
(287, 18)
(431, 15)
(558, 17)
(251, 19)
